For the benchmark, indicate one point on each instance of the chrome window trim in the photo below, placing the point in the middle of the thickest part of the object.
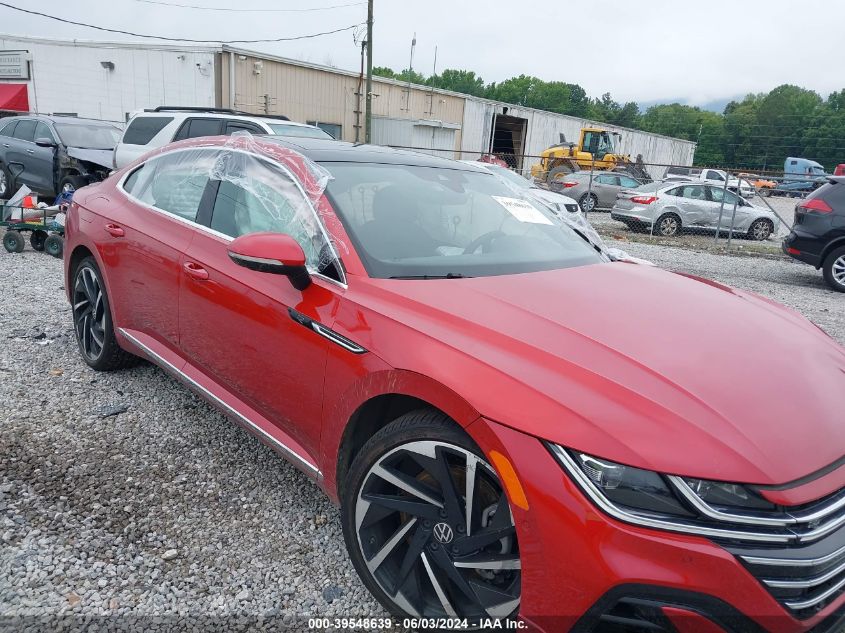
(292, 456)
(650, 522)
(120, 183)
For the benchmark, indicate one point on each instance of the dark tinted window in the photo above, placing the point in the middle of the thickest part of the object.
(9, 128)
(833, 194)
(25, 130)
(142, 129)
(192, 128)
(237, 126)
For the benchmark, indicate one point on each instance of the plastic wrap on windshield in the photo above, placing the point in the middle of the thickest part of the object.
(576, 221)
(253, 191)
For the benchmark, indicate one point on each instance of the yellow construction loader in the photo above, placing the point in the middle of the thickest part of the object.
(596, 149)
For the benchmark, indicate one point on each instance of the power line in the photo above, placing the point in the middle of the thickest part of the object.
(193, 6)
(178, 39)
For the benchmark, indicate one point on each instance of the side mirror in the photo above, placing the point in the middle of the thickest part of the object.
(272, 253)
(45, 142)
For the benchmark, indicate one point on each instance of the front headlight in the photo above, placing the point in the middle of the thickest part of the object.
(630, 487)
(682, 504)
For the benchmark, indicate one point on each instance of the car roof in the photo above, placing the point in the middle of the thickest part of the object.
(59, 118)
(330, 151)
(218, 115)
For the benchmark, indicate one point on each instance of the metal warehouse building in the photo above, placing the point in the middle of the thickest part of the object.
(110, 80)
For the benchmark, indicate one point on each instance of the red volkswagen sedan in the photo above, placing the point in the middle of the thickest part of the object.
(514, 425)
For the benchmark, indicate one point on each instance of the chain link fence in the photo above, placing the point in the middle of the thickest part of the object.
(710, 208)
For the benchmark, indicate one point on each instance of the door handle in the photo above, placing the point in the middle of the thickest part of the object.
(30, 151)
(195, 271)
(114, 230)
(6, 145)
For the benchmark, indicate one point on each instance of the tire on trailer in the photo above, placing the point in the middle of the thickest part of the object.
(391, 545)
(54, 245)
(834, 269)
(13, 241)
(37, 239)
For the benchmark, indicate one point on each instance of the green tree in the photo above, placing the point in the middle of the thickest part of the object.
(463, 81)
(384, 71)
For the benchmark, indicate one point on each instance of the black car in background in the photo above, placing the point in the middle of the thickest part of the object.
(51, 154)
(818, 235)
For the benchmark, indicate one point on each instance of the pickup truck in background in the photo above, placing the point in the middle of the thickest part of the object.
(714, 177)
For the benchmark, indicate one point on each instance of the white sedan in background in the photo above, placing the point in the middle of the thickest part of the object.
(556, 201)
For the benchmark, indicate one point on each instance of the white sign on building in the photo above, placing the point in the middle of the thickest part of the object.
(14, 64)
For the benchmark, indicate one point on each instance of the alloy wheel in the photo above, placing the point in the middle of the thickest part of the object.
(436, 533)
(89, 313)
(838, 270)
(668, 226)
(761, 231)
(588, 203)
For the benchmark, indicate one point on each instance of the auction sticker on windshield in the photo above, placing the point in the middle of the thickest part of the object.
(522, 210)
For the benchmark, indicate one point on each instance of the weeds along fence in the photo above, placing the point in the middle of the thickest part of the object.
(691, 206)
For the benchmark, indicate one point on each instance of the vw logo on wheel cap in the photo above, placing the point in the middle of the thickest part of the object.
(443, 533)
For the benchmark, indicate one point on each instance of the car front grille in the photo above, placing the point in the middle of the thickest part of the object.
(803, 579)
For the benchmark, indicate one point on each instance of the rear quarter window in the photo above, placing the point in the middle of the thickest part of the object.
(141, 130)
(833, 194)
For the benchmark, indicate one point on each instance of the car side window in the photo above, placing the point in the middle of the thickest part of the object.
(238, 126)
(266, 198)
(25, 130)
(142, 129)
(173, 182)
(693, 192)
(624, 181)
(717, 194)
(196, 127)
(42, 131)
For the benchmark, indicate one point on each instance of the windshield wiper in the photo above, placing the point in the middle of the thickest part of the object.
(446, 276)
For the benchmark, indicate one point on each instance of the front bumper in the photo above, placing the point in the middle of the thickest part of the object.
(574, 556)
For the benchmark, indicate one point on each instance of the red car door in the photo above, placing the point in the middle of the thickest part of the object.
(145, 231)
(249, 331)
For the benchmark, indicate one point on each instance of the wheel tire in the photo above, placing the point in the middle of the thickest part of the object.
(13, 241)
(6, 183)
(403, 446)
(37, 239)
(92, 320)
(667, 225)
(760, 230)
(54, 245)
(834, 269)
(764, 192)
(558, 173)
(72, 183)
(588, 202)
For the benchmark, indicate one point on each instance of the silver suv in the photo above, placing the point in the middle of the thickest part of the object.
(151, 129)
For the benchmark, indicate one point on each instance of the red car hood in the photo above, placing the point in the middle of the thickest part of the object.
(631, 363)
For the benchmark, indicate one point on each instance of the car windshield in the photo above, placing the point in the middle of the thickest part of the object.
(419, 222)
(88, 135)
(306, 131)
(512, 177)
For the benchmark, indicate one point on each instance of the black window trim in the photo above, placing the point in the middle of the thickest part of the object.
(206, 199)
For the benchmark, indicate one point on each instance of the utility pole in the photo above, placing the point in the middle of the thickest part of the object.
(368, 117)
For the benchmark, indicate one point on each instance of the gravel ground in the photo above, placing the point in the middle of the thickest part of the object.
(124, 495)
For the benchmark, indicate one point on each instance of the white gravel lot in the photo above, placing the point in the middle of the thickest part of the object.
(167, 516)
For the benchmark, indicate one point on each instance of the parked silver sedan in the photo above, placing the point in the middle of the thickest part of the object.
(668, 208)
(598, 194)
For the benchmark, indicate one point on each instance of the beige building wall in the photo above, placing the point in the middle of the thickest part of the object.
(309, 93)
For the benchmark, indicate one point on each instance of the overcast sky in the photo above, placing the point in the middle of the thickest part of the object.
(652, 50)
